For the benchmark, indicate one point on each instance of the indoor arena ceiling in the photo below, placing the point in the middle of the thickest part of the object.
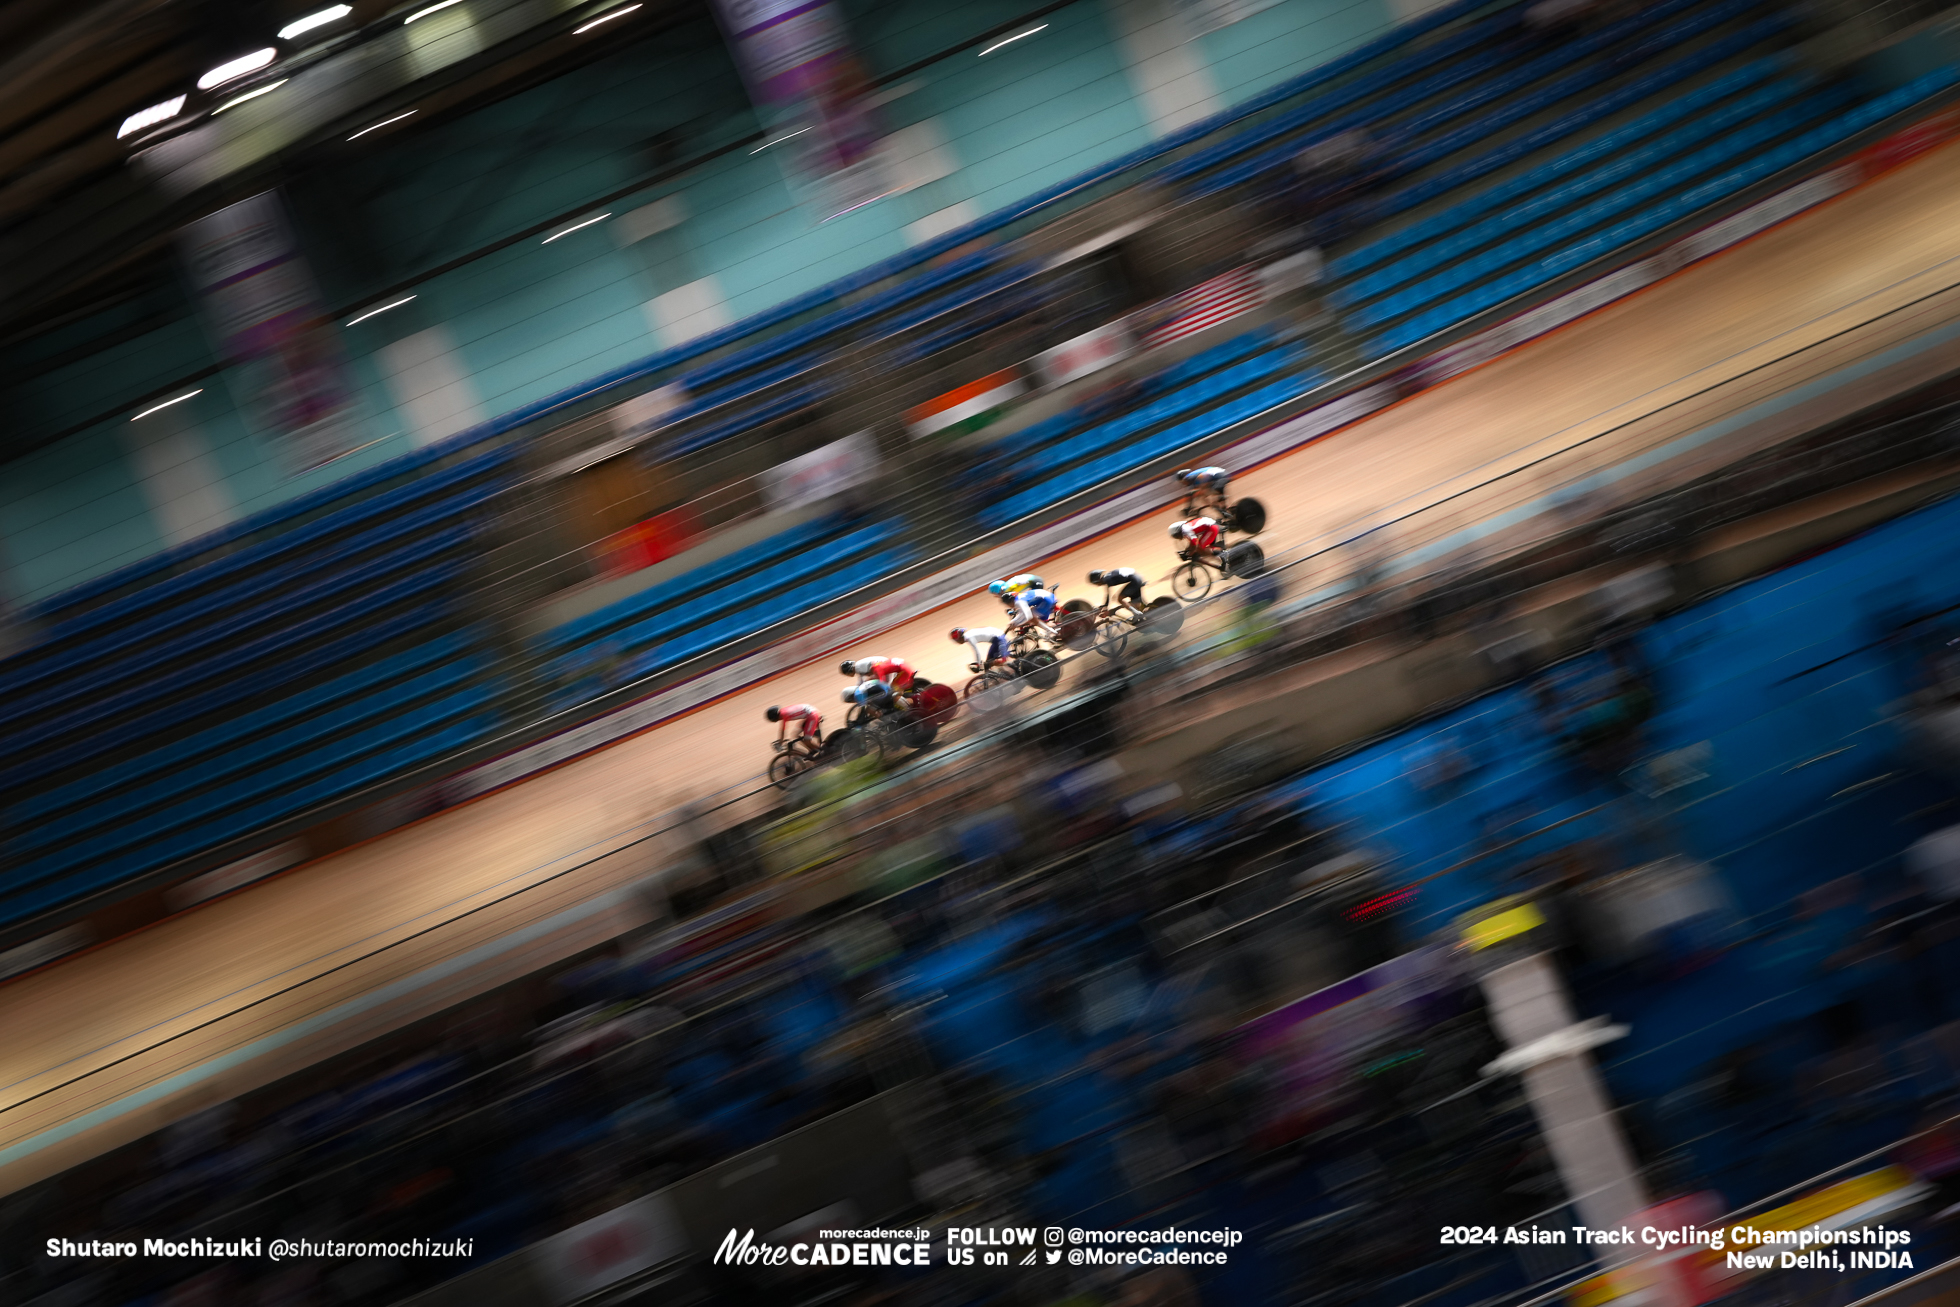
(101, 160)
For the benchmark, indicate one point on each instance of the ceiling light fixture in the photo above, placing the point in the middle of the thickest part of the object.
(150, 117)
(779, 140)
(383, 123)
(332, 13)
(1012, 39)
(424, 13)
(574, 227)
(237, 68)
(604, 18)
(167, 403)
(252, 94)
(383, 309)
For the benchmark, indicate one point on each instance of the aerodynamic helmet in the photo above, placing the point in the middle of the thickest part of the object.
(774, 714)
(959, 635)
(849, 668)
(997, 589)
(1177, 530)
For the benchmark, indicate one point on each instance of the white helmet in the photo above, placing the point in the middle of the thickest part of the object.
(1177, 530)
(850, 696)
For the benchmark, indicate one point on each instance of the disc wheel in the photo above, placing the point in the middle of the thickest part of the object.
(936, 705)
(1247, 517)
(1163, 618)
(1076, 630)
(1043, 669)
(1112, 635)
(1191, 582)
(1245, 559)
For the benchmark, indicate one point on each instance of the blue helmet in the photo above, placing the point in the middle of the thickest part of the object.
(997, 589)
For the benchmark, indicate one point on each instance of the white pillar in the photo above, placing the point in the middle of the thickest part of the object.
(430, 385)
(1168, 72)
(1527, 1002)
(179, 476)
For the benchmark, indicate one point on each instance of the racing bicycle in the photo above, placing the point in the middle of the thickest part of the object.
(1200, 570)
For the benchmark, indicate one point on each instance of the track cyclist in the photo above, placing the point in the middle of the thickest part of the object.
(1126, 582)
(1208, 483)
(988, 644)
(874, 697)
(894, 672)
(808, 720)
(1197, 535)
(1008, 589)
(1036, 609)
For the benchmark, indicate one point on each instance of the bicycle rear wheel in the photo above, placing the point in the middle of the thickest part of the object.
(1248, 516)
(1245, 559)
(1163, 618)
(1076, 630)
(1191, 582)
(1112, 635)
(1043, 669)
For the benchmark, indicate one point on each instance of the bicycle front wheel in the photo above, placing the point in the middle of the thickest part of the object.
(989, 691)
(1191, 582)
(783, 766)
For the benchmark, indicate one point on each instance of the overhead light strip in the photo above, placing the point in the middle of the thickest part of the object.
(252, 94)
(424, 13)
(604, 18)
(299, 26)
(383, 309)
(371, 127)
(1012, 39)
(150, 117)
(779, 140)
(167, 403)
(237, 68)
(574, 227)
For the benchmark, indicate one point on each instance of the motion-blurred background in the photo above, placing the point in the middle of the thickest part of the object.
(437, 431)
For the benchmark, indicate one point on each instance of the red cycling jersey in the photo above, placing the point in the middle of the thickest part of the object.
(1203, 533)
(895, 672)
(811, 719)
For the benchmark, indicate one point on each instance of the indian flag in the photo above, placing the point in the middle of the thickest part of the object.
(969, 408)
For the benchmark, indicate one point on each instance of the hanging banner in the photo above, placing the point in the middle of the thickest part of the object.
(820, 473)
(967, 408)
(1205, 16)
(814, 94)
(258, 299)
(1090, 352)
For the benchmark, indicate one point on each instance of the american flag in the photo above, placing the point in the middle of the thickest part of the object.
(1205, 305)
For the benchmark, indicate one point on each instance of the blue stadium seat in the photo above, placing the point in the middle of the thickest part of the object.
(238, 658)
(1621, 163)
(582, 629)
(106, 826)
(1660, 213)
(1084, 476)
(448, 652)
(21, 896)
(1650, 180)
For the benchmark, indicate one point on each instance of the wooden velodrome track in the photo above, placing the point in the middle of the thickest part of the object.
(113, 1043)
